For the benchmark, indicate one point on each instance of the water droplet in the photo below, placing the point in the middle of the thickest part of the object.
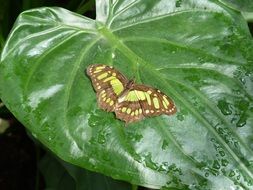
(249, 183)
(216, 164)
(201, 60)
(178, 3)
(221, 131)
(243, 81)
(236, 144)
(165, 144)
(92, 140)
(206, 174)
(243, 104)
(226, 138)
(215, 172)
(241, 122)
(92, 162)
(222, 153)
(231, 174)
(224, 107)
(101, 139)
(138, 137)
(224, 162)
(238, 177)
(149, 163)
(162, 168)
(106, 157)
(180, 117)
(213, 139)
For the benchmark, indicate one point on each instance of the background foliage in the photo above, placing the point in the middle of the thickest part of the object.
(207, 45)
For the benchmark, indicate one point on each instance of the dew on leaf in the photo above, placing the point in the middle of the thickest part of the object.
(242, 121)
(224, 162)
(215, 172)
(101, 138)
(249, 183)
(231, 174)
(221, 131)
(206, 174)
(201, 60)
(165, 144)
(135, 137)
(224, 107)
(243, 105)
(106, 157)
(92, 162)
(213, 139)
(149, 163)
(178, 3)
(222, 153)
(162, 168)
(236, 144)
(243, 81)
(180, 117)
(92, 140)
(216, 164)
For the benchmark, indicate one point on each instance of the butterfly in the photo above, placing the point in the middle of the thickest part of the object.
(131, 102)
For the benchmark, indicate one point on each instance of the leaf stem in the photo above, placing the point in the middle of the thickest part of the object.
(134, 187)
(2, 41)
(135, 60)
(248, 16)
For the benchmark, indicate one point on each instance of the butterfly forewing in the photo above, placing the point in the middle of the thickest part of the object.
(108, 83)
(129, 111)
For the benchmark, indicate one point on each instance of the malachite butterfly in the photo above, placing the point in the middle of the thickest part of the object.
(131, 102)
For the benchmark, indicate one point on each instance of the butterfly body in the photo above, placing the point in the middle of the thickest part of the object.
(131, 102)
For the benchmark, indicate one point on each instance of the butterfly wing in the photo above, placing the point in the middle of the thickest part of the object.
(108, 83)
(129, 111)
(143, 101)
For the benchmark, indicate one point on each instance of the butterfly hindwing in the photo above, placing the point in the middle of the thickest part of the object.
(155, 102)
(148, 101)
(129, 111)
(108, 83)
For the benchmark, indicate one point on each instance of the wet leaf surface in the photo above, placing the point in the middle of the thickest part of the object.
(200, 54)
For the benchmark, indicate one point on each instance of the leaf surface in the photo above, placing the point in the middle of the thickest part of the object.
(60, 175)
(199, 53)
(243, 5)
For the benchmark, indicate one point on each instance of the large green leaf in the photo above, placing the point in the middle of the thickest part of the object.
(197, 52)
